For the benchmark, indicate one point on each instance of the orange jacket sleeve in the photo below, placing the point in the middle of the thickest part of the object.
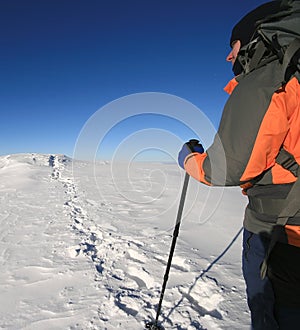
(193, 164)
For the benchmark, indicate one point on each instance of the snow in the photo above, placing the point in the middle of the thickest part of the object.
(85, 246)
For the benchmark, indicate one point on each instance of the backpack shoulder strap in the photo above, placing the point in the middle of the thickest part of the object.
(287, 161)
(292, 201)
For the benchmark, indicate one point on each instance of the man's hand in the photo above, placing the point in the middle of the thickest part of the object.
(187, 148)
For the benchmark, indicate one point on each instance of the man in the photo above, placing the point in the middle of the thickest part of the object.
(260, 121)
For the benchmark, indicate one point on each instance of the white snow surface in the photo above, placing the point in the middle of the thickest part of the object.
(85, 246)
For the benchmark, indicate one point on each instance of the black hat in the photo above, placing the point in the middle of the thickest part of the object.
(244, 30)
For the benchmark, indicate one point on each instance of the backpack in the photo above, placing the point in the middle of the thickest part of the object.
(277, 37)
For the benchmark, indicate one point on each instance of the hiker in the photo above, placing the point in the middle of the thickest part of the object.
(257, 147)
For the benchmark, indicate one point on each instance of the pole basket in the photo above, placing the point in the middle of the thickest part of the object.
(154, 326)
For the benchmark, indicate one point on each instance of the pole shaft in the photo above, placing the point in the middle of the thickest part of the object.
(175, 235)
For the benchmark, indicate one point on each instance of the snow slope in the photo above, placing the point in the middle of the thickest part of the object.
(85, 246)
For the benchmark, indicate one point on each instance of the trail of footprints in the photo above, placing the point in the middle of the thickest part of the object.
(122, 267)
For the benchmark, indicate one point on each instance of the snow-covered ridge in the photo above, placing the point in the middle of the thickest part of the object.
(33, 159)
(75, 255)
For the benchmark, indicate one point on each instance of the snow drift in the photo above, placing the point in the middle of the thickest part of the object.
(85, 246)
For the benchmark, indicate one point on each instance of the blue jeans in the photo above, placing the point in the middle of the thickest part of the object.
(260, 295)
(266, 312)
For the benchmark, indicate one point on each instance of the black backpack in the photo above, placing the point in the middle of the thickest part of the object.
(277, 37)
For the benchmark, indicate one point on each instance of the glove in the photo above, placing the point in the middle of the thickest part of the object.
(187, 148)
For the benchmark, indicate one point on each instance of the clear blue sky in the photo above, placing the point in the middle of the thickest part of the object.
(62, 60)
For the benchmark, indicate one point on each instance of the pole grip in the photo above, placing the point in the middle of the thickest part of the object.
(192, 144)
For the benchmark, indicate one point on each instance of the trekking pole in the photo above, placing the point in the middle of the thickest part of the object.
(155, 324)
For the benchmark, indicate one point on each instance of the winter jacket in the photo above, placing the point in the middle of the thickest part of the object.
(260, 117)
